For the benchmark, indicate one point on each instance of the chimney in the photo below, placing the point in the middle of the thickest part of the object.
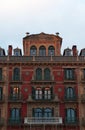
(10, 50)
(74, 50)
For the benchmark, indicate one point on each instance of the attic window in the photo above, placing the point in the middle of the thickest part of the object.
(17, 53)
(68, 53)
(83, 53)
(1, 52)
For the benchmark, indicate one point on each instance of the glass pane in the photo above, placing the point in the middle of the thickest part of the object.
(51, 51)
(48, 112)
(33, 51)
(47, 74)
(38, 74)
(16, 74)
(42, 51)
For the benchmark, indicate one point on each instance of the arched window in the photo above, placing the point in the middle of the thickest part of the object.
(70, 115)
(46, 74)
(47, 112)
(33, 51)
(51, 51)
(16, 74)
(70, 93)
(37, 112)
(42, 51)
(38, 74)
(15, 114)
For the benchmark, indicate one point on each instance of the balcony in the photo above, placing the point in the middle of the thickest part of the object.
(15, 122)
(43, 81)
(1, 121)
(70, 80)
(43, 98)
(16, 81)
(15, 99)
(83, 98)
(71, 99)
(42, 120)
(71, 122)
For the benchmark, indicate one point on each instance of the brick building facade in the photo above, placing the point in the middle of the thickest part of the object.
(42, 89)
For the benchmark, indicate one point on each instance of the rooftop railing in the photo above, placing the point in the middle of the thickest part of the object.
(42, 59)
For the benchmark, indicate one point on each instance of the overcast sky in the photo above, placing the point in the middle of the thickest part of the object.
(49, 16)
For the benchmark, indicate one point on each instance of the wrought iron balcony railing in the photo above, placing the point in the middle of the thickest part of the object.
(42, 120)
(14, 81)
(43, 98)
(69, 121)
(71, 99)
(16, 98)
(43, 81)
(13, 122)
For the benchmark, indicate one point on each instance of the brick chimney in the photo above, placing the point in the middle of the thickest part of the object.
(74, 50)
(10, 50)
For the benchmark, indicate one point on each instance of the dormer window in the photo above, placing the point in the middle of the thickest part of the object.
(17, 52)
(67, 52)
(2, 52)
(83, 53)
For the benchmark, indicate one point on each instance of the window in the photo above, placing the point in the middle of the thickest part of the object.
(47, 93)
(16, 74)
(68, 53)
(42, 51)
(15, 93)
(0, 73)
(48, 112)
(83, 52)
(42, 93)
(1, 91)
(83, 73)
(70, 115)
(69, 74)
(38, 74)
(38, 93)
(47, 74)
(33, 51)
(17, 52)
(69, 93)
(37, 112)
(15, 114)
(1, 52)
(42, 112)
(51, 51)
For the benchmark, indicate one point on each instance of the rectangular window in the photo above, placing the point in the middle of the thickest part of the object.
(0, 73)
(1, 52)
(83, 73)
(1, 93)
(15, 93)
